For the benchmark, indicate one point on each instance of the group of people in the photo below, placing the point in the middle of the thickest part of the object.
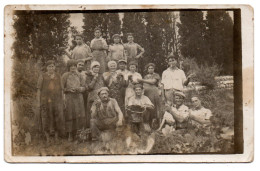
(99, 87)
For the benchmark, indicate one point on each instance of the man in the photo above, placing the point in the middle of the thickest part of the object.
(141, 100)
(173, 79)
(199, 115)
(176, 116)
(105, 114)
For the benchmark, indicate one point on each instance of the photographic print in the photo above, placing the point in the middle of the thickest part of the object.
(128, 83)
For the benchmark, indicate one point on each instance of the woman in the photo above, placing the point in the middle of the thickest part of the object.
(133, 78)
(99, 46)
(116, 51)
(49, 98)
(74, 86)
(115, 82)
(150, 83)
(94, 81)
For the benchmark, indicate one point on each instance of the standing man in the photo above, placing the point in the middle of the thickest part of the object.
(105, 114)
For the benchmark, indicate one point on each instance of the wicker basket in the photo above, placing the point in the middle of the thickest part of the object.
(135, 113)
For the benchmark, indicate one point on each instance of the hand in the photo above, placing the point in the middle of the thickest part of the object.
(191, 75)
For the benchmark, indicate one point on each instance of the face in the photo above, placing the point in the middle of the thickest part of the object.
(122, 65)
(103, 95)
(80, 66)
(150, 69)
(130, 38)
(79, 40)
(178, 100)
(138, 91)
(132, 68)
(73, 68)
(95, 69)
(97, 33)
(172, 62)
(112, 67)
(116, 40)
(51, 68)
(195, 102)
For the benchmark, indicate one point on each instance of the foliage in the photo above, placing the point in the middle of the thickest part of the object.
(108, 22)
(203, 140)
(220, 39)
(204, 73)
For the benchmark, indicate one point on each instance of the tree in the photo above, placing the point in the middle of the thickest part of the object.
(38, 38)
(192, 31)
(220, 38)
(108, 22)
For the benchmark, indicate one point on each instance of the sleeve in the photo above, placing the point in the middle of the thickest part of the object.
(93, 110)
(39, 82)
(147, 101)
(163, 78)
(208, 114)
(180, 115)
(64, 80)
(88, 51)
(183, 77)
(104, 42)
(91, 43)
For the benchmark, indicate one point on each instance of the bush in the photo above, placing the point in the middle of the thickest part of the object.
(205, 74)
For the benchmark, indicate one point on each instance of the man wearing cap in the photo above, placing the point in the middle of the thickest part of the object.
(176, 116)
(122, 65)
(105, 114)
(116, 51)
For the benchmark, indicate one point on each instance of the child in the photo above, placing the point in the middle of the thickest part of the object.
(49, 98)
(99, 46)
(73, 86)
(116, 51)
(132, 49)
(82, 51)
(173, 79)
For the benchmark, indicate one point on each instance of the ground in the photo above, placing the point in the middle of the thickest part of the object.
(219, 139)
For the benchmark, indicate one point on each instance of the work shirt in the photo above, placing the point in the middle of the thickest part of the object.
(173, 79)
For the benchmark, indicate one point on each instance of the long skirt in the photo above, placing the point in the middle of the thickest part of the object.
(75, 112)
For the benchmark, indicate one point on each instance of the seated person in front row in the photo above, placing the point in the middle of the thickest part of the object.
(105, 114)
(199, 116)
(139, 99)
(176, 116)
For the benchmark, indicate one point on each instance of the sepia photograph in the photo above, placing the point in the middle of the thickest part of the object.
(113, 83)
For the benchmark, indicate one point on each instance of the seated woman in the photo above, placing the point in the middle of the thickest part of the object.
(144, 102)
(151, 90)
(115, 83)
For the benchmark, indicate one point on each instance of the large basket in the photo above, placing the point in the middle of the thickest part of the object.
(135, 113)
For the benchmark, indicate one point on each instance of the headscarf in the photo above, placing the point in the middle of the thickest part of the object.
(148, 65)
(94, 63)
(116, 35)
(71, 62)
(49, 62)
(111, 63)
